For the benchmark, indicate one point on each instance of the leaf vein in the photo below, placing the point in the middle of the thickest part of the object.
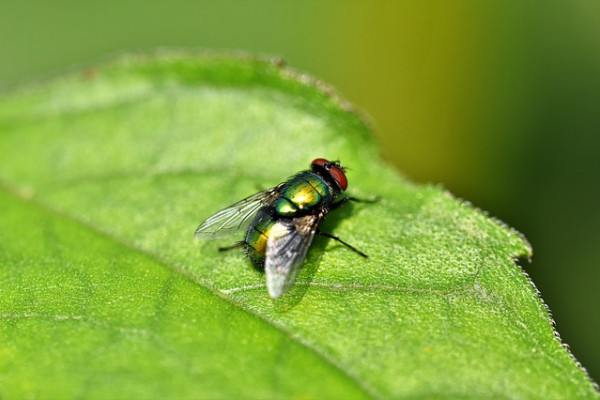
(365, 386)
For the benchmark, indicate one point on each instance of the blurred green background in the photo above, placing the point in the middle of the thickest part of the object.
(498, 101)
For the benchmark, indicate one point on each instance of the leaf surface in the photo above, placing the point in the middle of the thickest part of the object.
(107, 172)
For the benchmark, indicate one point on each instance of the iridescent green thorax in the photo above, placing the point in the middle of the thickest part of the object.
(301, 193)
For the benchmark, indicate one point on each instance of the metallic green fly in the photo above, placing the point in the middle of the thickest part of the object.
(281, 222)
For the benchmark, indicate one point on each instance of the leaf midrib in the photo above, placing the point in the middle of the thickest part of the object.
(329, 359)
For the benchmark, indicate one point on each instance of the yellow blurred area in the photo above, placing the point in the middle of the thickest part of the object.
(498, 101)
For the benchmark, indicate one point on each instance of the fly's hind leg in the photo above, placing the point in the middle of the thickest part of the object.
(330, 236)
(258, 264)
(236, 245)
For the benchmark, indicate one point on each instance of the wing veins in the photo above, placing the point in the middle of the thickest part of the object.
(236, 217)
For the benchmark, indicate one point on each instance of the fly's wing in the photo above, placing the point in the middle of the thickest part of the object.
(236, 217)
(288, 243)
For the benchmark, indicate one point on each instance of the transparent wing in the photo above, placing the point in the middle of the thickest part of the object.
(288, 243)
(236, 217)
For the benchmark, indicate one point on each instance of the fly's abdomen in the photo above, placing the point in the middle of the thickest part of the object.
(303, 192)
(257, 237)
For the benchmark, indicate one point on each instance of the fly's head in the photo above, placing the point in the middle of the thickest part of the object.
(331, 171)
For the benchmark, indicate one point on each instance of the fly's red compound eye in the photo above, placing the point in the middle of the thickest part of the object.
(339, 177)
(319, 161)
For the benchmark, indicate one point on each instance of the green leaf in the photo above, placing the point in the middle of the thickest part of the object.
(104, 293)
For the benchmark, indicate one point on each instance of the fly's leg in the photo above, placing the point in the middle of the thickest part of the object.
(257, 264)
(372, 200)
(337, 205)
(233, 246)
(343, 201)
(330, 236)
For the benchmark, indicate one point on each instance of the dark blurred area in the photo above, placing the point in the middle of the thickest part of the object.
(498, 101)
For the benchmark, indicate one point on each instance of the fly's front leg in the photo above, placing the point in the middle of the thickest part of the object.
(343, 201)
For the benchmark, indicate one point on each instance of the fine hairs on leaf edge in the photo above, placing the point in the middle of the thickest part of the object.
(518, 261)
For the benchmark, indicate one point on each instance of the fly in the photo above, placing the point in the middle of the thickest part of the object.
(281, 222)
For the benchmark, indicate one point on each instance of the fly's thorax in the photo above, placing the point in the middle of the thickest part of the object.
(301, 193)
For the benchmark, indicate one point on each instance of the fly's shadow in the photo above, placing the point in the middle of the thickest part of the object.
(318, 248)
